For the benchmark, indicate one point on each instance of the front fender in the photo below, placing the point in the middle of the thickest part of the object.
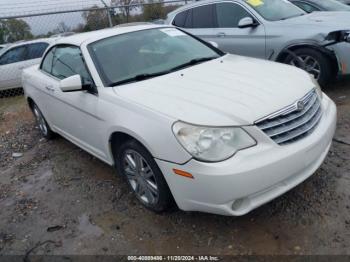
(153, 130)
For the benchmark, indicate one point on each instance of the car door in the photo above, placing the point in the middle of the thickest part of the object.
(198, 21)
(75, 115)
(250, 41)
(11, 65)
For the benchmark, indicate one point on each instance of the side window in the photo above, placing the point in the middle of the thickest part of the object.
(306, 7)
(36, 50)
(47, 62)
(229, 14)
(180, 19)
(188, 21)
(14, 55)
(68, 61)
(203, 17)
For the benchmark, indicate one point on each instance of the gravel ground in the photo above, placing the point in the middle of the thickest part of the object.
(57, 199)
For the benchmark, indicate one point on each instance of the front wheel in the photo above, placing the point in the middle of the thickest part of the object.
(143, 175)
(313, 62)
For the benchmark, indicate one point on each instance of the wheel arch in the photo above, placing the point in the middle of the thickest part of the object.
(293, 47)
(30, 102)
(117, 138)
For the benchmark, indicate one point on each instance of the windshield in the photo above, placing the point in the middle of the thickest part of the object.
(274, 10)
(333, 5)
(145, 53)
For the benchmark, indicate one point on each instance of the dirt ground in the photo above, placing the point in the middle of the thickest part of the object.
(57, 199)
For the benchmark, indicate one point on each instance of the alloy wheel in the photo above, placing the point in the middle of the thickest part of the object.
(309, 64)
(141, 177)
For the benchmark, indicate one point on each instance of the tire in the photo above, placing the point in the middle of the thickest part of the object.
(42, 123)
(149, 185)
(309, 55)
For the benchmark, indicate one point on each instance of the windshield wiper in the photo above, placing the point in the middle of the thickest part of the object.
(139, 77)
(145, 76)
(193, 62)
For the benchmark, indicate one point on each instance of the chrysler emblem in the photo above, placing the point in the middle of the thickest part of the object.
(300, 105)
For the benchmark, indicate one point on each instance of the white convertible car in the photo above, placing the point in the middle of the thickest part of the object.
(181, 120)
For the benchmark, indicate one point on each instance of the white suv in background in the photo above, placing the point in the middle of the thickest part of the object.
(14, 58)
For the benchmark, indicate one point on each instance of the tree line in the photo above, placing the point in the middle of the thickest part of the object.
(12, 30)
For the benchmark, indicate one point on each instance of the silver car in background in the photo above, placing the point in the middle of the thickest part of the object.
(275, 30)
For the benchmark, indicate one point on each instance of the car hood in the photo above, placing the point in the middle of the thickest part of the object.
(322, 20)
(231, 90)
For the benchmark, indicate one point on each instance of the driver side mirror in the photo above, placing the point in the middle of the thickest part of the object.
(247, 22)
(72, 83)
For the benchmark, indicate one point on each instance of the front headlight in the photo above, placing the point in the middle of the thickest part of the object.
(212, 144)
(317, 86)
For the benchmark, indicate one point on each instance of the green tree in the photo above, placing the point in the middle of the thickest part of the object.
(95, 19)
(125, 7)
(153, 10)
(12, 30)
(170, 8)
(3, 31)
(17, 29)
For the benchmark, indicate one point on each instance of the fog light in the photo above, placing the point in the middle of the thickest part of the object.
(237, 204)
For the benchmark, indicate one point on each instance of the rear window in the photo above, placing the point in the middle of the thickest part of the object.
(198, 17)
(203, 17)
(180, 19)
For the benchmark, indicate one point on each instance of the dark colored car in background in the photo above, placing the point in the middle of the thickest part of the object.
(310, 6)
(347, 2)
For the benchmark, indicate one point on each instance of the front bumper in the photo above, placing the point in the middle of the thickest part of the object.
(253, 176)
(342, 52)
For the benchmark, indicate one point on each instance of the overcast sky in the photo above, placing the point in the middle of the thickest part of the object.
(43, 24)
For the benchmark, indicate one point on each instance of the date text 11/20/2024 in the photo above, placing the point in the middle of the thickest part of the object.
(173, 258)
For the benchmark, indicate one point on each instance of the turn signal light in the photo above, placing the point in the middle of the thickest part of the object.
(183, 173)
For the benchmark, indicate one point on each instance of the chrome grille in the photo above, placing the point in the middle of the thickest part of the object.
(293, 122)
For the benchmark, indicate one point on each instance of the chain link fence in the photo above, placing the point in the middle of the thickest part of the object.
(23, 27)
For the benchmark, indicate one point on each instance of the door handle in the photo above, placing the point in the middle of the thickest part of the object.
(221, 34)
(50, 88)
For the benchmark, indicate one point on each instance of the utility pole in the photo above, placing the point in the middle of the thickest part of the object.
(108, 13)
